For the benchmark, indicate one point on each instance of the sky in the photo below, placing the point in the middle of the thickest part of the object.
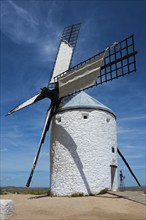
(30, 35)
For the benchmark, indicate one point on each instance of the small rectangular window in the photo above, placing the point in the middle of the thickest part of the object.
(58, 119)
(85, 115)
(113, 150)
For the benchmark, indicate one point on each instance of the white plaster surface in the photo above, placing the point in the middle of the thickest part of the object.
(81, 152)
(7, 209)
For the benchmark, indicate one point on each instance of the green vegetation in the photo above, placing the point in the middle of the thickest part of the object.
(35, 192)
(18, 190)
(103, 191)
(77, 194)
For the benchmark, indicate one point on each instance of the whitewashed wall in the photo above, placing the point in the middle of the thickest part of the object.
(81, 152)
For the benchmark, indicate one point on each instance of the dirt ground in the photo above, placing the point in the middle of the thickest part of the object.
(105, 207)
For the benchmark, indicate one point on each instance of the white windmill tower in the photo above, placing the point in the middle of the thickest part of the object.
(83, 138)
(83, 147)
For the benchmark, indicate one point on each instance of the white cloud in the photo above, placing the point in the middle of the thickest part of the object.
(47, 50)
(132, 147)
(139, 167)
(20, 26)
(135, 156)
(5, 178)
(3, 149)
(123, 130)
(17, 23)
(132, 118)
(45, 154)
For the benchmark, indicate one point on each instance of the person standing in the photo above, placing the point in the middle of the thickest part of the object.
(122, 177)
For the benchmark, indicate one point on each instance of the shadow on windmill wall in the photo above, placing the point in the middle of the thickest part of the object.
(71, 146)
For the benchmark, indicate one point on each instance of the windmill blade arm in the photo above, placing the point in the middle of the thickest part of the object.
(45, 129)
(25, 104)
(123, 158)
(45, 93)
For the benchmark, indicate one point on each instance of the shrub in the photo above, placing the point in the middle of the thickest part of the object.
(77, 194)
(35, 192)
(103, 191)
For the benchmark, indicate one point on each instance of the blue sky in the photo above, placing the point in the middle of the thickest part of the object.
(30, 34)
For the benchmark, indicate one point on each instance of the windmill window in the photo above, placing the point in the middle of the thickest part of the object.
(85, 115)
(58, 119)
(113, 150)
(108, 120)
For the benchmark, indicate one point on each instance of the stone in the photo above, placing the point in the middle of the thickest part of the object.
(7, 209)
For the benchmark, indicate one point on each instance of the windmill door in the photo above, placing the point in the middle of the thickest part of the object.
(113, 177)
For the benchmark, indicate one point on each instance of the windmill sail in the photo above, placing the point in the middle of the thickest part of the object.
(84, 76)
(66, 50)
(116, 61)
(119, 61)
(45, 93)
(63, 59)
(45, 129)
(30, 101)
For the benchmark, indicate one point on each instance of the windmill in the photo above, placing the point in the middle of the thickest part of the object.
(112, 63)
